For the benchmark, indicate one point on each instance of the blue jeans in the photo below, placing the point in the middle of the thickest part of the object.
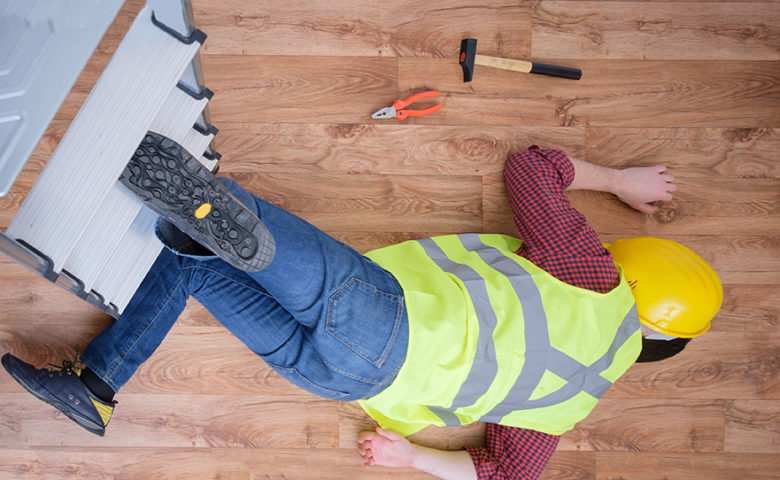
(321, 315)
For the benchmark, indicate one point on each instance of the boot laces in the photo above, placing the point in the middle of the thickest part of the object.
(68, 365)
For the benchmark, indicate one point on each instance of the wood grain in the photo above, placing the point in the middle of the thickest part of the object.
(634, 93)
(229, 421)
(650, 425)
(715, 366)
(693, 85)
(680, 466)
(383, 203)
(215, 463)
(656, 30)
(299, 89)
(752, 426)
(370, 28)
(570, 466)
(387, 149)
(743, 153)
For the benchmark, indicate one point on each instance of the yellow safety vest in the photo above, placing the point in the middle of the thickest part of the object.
(494, 338)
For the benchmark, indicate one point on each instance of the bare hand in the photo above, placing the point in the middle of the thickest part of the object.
(385, 447)
(639, 186)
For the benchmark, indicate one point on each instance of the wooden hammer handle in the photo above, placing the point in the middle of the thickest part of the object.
(503, 63)
(528, 67)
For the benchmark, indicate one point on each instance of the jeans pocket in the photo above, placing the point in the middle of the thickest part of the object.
(295, 377)
(365, 319)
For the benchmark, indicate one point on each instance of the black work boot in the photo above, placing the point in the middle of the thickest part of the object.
(64, 390)
(174, 184)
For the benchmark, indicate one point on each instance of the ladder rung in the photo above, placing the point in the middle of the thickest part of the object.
(139, 247)
(112, 122)
(114, 216)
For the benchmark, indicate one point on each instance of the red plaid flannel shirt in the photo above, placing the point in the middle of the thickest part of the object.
(557, 238)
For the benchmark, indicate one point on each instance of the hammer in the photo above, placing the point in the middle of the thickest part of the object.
(469, 57)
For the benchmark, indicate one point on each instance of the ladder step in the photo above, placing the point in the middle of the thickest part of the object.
(139, 247)
(112, 122)
(115, 214)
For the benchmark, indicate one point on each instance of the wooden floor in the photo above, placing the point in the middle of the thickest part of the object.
(695, 86)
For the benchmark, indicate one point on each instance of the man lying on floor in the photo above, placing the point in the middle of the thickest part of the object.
(525, 335)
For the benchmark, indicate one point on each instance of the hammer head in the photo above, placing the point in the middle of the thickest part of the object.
(468, 48)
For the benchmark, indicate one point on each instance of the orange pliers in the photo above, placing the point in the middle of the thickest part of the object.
(395, 110)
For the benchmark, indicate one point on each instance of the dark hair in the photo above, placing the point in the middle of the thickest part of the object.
(655, 350)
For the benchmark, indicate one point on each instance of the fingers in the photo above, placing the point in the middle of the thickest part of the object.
(364, 447)
(366, 454)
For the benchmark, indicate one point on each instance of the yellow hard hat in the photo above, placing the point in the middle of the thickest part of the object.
(676, 291)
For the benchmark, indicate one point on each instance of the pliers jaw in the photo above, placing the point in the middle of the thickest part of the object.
(382, 113)
(396, 110)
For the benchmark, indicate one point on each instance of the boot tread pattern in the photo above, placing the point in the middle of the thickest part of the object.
(175, 185)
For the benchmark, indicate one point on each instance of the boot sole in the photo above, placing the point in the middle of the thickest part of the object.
(65, 409)
(174, 184)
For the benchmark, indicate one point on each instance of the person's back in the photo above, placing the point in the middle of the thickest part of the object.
(494, 338)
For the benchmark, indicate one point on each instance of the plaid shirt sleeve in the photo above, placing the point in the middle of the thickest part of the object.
(512, 453)
(557, 238)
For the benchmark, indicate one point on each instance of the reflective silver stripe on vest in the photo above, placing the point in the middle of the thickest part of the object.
(484, 369)
(590, 379)
(539, 354)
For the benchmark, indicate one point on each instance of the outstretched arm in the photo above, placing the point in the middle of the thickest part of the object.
(388, 448)
(637, 187)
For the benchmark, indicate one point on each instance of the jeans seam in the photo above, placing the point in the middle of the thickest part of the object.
(332, 367)
(339, 393)
(201, 267)
(354, 281)
(109, 376)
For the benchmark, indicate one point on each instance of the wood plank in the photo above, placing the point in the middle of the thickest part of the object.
(299, 89)
(716, 365)
(752, 426)
(749, 308)
(202, 463)
(750, 208)
(26, 298)
(192, 359)
(196, 360)
(630, 93)
(179, 421)
(754, 198)
(674, 426)
(369, 28)
(744, 153)
(656, 30)
(680, 466)
(377, 203)
(570, 466)
(387, 149)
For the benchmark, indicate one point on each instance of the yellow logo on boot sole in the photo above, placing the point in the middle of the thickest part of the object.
(203, 210)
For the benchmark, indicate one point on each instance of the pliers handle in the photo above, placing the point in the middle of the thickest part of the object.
(396, 110)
